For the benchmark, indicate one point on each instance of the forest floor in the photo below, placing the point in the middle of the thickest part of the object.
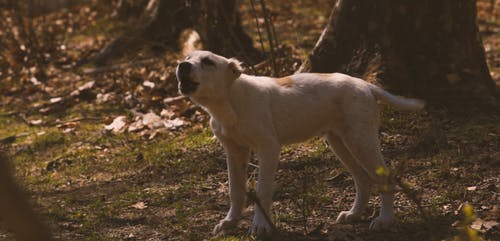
(113, 154)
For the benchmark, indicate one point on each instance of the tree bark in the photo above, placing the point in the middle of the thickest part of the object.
(221, 32)
(162, 22)
(431, 49)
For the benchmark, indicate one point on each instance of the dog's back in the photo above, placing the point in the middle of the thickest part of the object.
(304, 105)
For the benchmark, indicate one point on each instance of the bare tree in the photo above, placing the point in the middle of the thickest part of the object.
(428, 48)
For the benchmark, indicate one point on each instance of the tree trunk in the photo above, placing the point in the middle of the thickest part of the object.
(129, 8)
(221, 32)
(426, 48)
(162, 22)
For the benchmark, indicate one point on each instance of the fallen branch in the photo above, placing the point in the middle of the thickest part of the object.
(174, 99)
(57, 103)
(99, 70)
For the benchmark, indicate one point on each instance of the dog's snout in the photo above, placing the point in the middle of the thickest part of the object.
(186, 83)
(184, 68)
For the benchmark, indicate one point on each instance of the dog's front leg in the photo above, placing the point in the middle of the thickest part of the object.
(237, 160)
(268, 162)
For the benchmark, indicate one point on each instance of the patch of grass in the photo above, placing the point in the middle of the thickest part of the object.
(48, 140)
(183, 173)
(229, 238)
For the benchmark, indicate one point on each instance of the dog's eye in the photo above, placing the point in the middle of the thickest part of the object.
(207, 61)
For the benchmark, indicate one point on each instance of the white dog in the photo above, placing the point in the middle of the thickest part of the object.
(260, 114)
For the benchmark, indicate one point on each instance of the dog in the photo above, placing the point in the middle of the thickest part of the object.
(261, 114)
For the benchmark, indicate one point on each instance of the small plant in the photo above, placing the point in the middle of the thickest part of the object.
(465, 232)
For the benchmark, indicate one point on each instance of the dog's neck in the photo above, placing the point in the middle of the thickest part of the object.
(220, 109)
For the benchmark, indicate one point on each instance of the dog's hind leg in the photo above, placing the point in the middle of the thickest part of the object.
(364, 145)
(361, 180)
(237, 161)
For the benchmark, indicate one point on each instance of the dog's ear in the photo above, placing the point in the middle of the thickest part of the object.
(235, 67)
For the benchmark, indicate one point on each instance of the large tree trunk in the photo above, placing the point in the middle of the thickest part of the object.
(162, 22)
(220, 29)
(427, 48)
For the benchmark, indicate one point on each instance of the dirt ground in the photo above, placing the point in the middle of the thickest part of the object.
(113, 153)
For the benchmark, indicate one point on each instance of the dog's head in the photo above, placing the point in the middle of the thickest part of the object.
(204, 74)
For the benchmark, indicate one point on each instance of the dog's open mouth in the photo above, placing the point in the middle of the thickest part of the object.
(186, 85)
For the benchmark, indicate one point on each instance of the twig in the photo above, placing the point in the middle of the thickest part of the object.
(304, 204)
(117, 67)
(261, 64)
(411, 194)
(407, 191)
(276, 42)
(337, 176)
(10, 113)
(253, 165)
(269, 35)
(174, 99)
(76, 119)
(258, 25)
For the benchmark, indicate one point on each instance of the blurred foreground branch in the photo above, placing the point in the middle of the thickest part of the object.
(16, 211)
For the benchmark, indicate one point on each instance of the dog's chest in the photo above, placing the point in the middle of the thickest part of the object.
(234, 133)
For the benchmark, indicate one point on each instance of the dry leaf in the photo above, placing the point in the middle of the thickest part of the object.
(170, 213)
(140, 205)
(118, 124)
(167, 113)
(103, 98)
(87, 86)
(35, 81)
(152, 120)
(483, 226)
(69, 124)
(36, 122)
(55, 100)
(173, 124)
(148, 84)
(472, 188)
(152, 135)
(68, 130)
(136, 126)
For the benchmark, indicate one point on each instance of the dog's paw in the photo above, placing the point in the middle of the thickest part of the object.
(348, 217)
(224, 224)
(260, 228)
(381, 223)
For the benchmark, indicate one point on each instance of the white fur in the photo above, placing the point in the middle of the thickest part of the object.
(261, 114)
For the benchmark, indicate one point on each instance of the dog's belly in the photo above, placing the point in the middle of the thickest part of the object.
(303, 114)
(298, 131)
(297, 126)
(300, 136)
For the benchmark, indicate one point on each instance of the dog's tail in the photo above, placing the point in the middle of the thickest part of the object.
(401, 103)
